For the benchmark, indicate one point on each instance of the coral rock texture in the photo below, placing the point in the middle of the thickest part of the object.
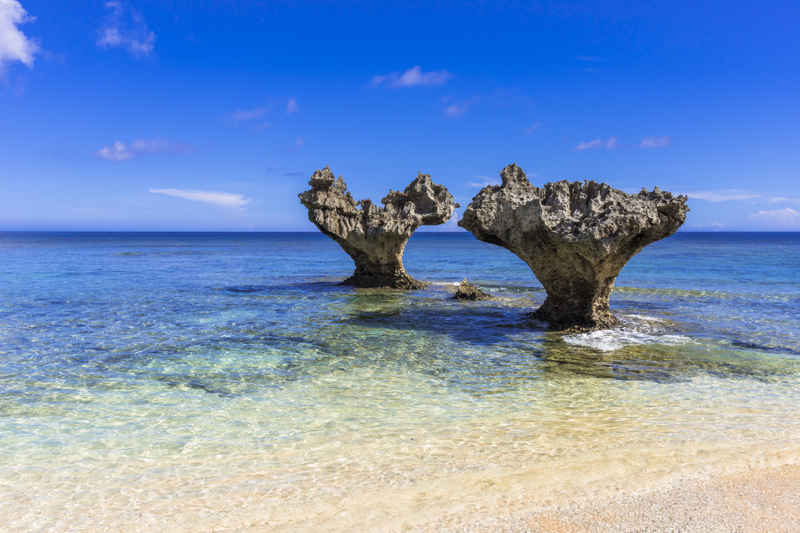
(373, 236)
(575, 237)
(468, 291)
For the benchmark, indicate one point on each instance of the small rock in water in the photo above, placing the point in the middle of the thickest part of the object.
(468, 291)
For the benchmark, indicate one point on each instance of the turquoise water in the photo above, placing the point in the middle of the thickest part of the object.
(188, 381)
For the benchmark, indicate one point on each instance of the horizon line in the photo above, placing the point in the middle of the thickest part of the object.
(246, 232)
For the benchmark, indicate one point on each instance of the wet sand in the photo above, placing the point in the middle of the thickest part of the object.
(758, 500)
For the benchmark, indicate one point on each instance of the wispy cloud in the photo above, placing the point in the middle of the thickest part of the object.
(610, 144)
(722, 195)
(14, 46)
(283, 171)
(410, 78)
(291, 107)
(296, 146)
(220, 199)
(458, 109)
(242, 115)
(613, 142)
(655, 142)
(782, 199)
(713, 226)
(780, 218)
(119, 152)
(483, 181)
(531, 129)
(126, 28)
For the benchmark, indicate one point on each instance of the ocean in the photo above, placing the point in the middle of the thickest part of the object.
(213, 381)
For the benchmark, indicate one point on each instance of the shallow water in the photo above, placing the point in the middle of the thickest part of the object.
(183, 381)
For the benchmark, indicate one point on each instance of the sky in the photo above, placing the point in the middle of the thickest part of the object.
(211, 116)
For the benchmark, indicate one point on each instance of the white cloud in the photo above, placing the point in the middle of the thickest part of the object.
(239, 115)
(120, 152)
(291, 106)
(411, 77)
(14, 46)
(779, 218)
(597, 143)
(219, 199)
(297, 144)
(722, 195)
(655, 142)
(458, 109)
(531, 129)
(126, 28)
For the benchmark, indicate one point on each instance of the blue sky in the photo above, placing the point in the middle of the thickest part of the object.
(168, 116)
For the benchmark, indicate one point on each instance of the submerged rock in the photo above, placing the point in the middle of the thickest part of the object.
(575, 238)
(468, 291)
(373, 236)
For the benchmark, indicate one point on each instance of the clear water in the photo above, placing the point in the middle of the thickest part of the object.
(200, 381)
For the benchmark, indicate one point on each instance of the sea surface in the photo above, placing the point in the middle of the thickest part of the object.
(198, 381)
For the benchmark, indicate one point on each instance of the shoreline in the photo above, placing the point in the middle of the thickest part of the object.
(757, 499)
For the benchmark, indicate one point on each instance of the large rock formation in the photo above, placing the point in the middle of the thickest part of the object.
(575, 237)
(376, 236)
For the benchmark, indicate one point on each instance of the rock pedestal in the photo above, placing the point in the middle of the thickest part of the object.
(575, 237)
(373, 236)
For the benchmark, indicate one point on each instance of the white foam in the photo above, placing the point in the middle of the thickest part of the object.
(647, 318)
(610, 340)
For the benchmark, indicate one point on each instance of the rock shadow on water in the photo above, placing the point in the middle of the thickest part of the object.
(328, 286)
(754, 346)
(486, 325)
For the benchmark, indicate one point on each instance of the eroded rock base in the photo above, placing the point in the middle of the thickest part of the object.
(380, 279)
(574, 321)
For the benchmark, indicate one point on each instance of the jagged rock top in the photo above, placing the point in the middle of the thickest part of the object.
(332, 207)
(573, 212)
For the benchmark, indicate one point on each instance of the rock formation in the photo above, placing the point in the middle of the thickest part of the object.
(376, 236)
(468, 291)
(575, 238)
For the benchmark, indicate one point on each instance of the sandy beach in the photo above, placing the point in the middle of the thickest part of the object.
(759, 500)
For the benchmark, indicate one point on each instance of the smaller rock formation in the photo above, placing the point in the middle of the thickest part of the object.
(468, 291)
(373, 236)
(575, 237)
